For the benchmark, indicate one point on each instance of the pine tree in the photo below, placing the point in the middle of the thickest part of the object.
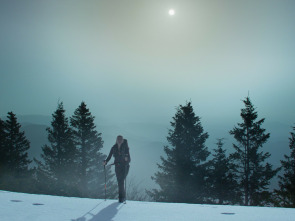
(17, 145)
(254, 174)
(15, 160)
(3, 151)
(286, 192)
(3, 148)
(56, 173)
(90, 162)
(223, 184)
(182, 174)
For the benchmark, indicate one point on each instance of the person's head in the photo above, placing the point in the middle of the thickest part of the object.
(119, 140)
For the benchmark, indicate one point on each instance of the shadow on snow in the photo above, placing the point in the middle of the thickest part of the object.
(106, 214)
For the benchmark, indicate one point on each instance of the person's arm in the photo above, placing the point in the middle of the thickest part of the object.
(110, 156)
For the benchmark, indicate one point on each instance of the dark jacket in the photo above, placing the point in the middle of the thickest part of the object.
(120, 155)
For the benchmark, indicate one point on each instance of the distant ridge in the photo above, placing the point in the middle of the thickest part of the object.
(34, 119)
(147, 139)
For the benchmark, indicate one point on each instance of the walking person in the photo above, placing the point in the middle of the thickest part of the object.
(120, 151)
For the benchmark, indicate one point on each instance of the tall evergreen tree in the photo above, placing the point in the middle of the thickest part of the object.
(3, 149)
(182, 174)
(90, 161)
(222, 181)
(56, 173)
(286, 191)
(254, 174)
(17, 144)
(15, 158)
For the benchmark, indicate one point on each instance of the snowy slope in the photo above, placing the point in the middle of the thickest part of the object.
(20, 206)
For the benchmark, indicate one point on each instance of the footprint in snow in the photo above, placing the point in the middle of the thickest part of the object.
(35, 204)
(228, 213)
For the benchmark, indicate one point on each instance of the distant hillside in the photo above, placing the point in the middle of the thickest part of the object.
(37, 135)
(146, 141)
(34, 119)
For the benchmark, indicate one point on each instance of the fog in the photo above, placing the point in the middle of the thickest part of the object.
(133, 63)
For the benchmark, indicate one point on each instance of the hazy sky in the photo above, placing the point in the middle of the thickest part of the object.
(132, 61)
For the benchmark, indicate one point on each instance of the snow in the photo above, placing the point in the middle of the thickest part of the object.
(22, 206)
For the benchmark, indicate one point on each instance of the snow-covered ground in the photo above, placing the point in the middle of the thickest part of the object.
(21, 206)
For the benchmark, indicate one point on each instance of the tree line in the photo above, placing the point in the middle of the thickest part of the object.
(71, 164)
(186, 175)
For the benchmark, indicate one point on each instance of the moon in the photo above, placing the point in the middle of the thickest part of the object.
(171, 12)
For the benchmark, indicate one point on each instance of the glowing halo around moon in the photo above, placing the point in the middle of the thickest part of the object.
(171, 12)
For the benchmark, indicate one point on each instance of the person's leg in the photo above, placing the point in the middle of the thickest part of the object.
(126, 170)
(120, 179)
(121, 190)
